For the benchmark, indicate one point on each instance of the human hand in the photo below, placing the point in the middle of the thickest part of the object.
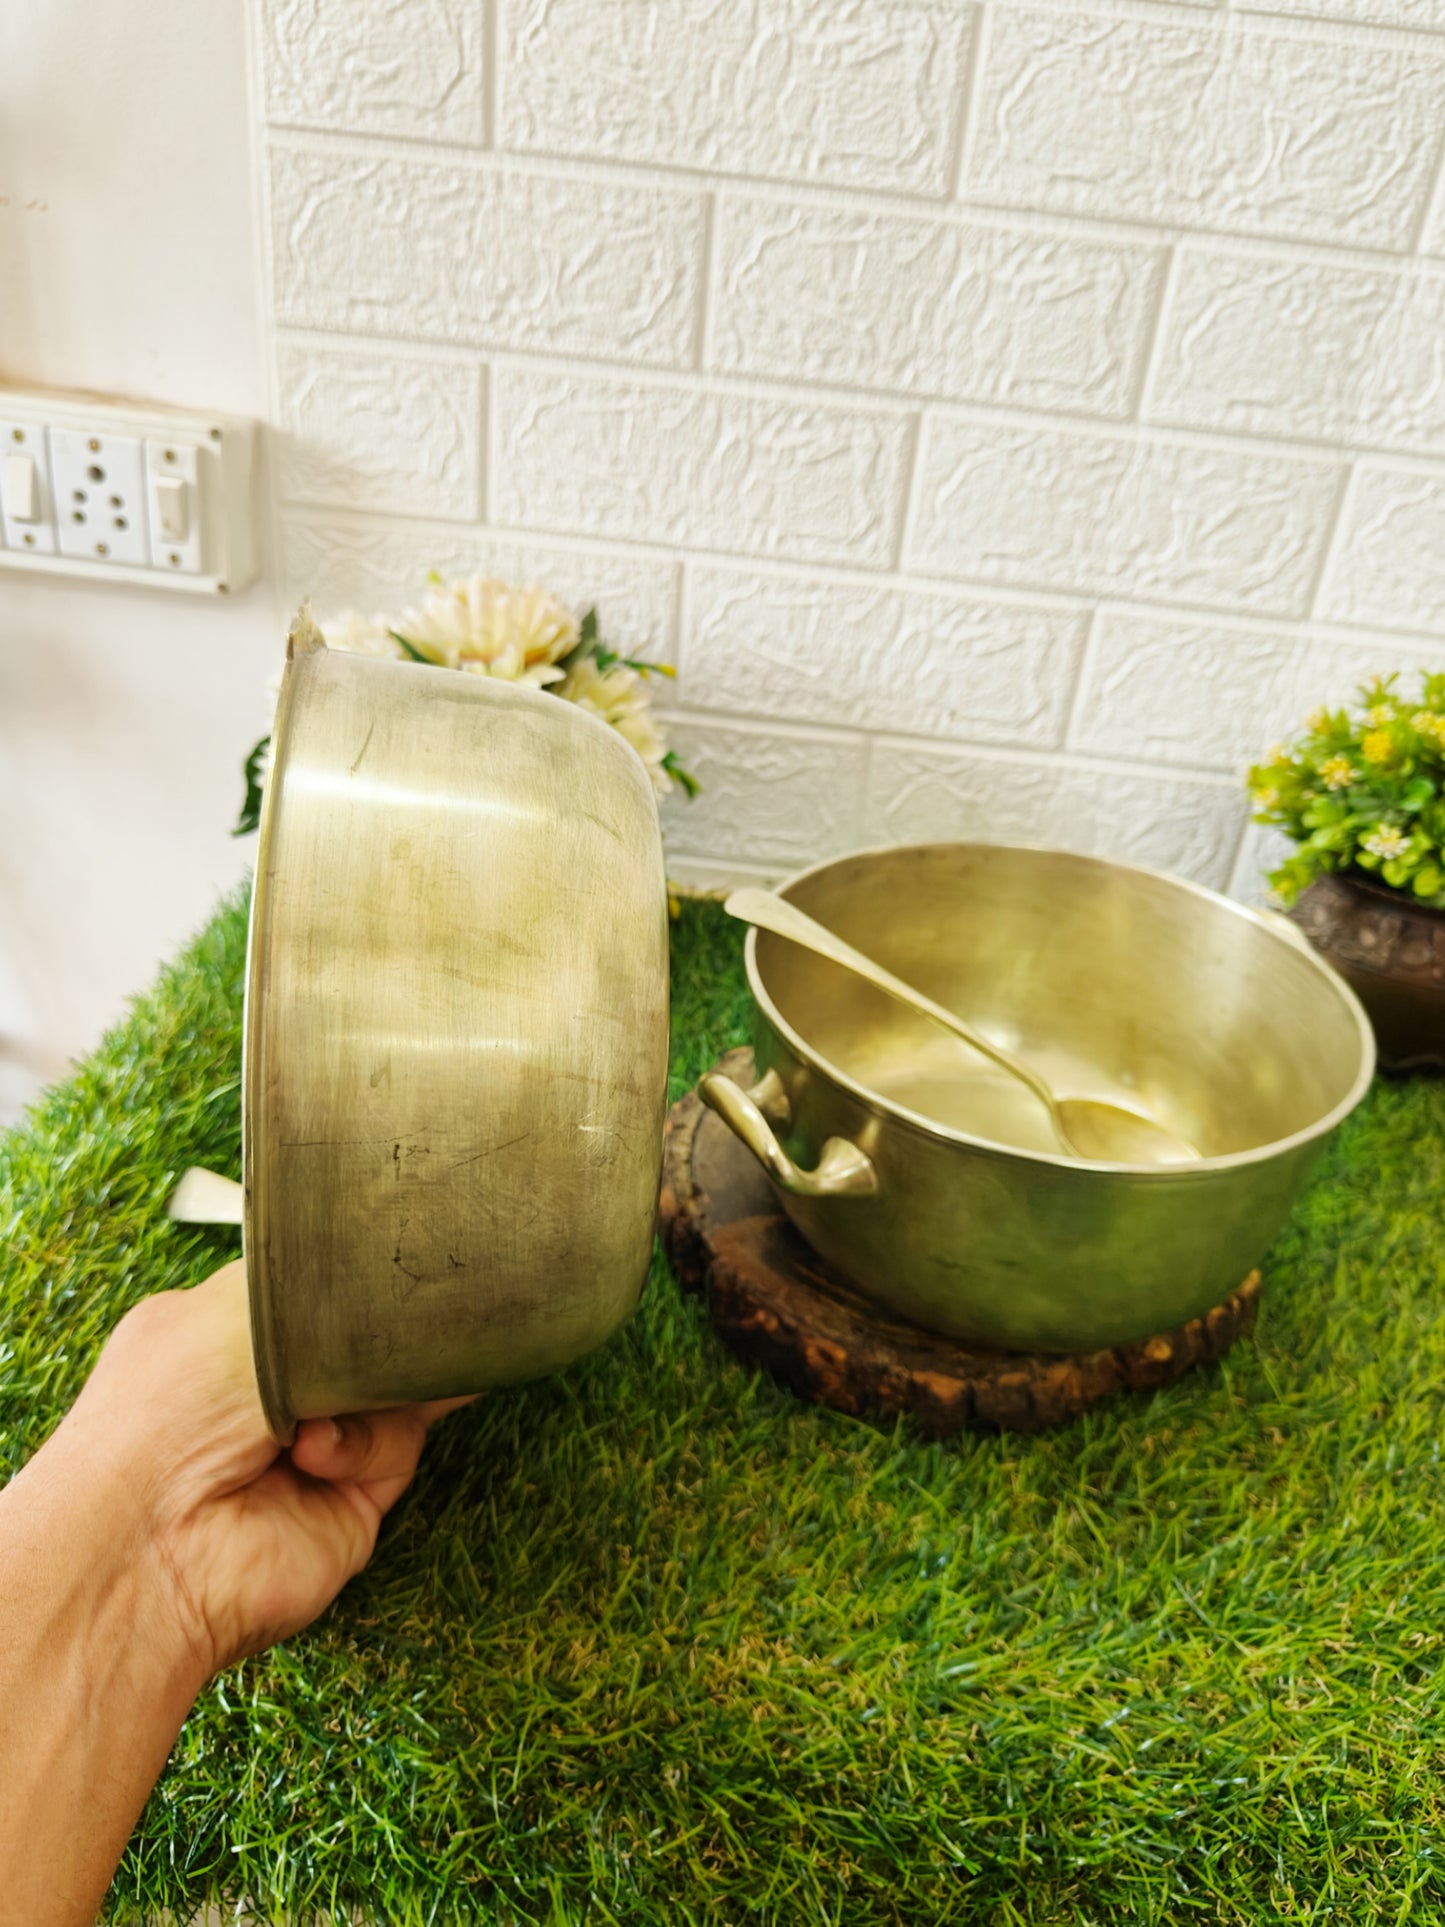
(246, 1541)
(158, 1535)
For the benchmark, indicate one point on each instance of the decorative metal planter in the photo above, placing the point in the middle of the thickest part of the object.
(1391, 951)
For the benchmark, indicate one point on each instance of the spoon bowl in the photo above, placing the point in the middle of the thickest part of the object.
(1087, 1128)
(1103, 1133)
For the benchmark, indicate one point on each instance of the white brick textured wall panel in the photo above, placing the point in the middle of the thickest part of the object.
(782, 800)
(878, 658)
(930, 307)
(484, 253)
(378, 565)
(1303, 349)
(815, 350)
(1262, 850)
(389, 67)
(384, 431)
(676, 464)
(1332, 669)
(1137, 517)
(1176, 692)
(920, 794)
(1235, 128)
(1216, 697)
(1432, 241)
(1426, 14)
(864, 93)
(1388, 562)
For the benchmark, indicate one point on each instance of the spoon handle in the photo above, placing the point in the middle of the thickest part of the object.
(766, 911)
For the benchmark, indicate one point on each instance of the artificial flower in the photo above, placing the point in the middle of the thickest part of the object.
(491, 628)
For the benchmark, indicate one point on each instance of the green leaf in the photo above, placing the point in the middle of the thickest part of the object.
(1417, 793)
(684, 779)
(410, 648)
(250, 817)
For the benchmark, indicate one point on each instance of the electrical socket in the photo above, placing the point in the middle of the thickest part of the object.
(126, 491)
(100, 496)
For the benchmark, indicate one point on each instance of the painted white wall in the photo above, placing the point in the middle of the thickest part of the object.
(127, 264)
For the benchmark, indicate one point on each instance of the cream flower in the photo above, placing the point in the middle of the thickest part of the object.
(1318, 719)
(1386, 841)
(619, 696)
(1337, 772)
(360, 635)
(1429, 724)
(493, 629)
(1380, 714)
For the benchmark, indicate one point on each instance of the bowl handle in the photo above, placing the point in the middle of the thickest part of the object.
(842, 1170)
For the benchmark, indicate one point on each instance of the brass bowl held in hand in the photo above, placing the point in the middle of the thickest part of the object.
(933, 1181)
(456, 1036)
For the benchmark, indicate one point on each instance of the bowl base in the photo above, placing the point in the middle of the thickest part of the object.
(781, 1306)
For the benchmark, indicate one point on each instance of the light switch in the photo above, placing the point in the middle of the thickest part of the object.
(180, 473)
(172, 516)
(27, 502)
(22, 492)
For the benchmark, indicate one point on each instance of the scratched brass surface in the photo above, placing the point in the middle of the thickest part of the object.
(456, 1036)
(933, 1180)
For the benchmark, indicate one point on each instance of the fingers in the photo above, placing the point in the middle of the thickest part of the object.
(439, 1407)
(361, 1448)
(368, 1445)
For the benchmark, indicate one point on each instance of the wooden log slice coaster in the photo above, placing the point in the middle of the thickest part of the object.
(781, 1306)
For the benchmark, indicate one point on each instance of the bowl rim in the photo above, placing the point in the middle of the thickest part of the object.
(1273, 924)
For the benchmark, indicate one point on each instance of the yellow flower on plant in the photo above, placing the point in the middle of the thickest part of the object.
(1428, 724)
(1386, 840)
(1318, 719)
(1380, 713)
(1378, 746)
(1266, 799)
(1337, 772)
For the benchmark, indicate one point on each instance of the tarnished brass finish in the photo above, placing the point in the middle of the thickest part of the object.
(956, 1208)
(456, 1036)
(1084, 1127)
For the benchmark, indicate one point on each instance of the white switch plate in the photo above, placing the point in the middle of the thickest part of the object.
(97, 462)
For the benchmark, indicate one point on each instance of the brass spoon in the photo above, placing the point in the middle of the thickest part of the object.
(1086, 1127)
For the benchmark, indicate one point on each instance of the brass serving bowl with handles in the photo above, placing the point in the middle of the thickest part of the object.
(934, 1182)
(456, 1036)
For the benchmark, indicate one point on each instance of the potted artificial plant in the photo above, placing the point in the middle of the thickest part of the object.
(1362, 794)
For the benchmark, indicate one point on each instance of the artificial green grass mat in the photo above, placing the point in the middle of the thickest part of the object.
(653, 1643)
